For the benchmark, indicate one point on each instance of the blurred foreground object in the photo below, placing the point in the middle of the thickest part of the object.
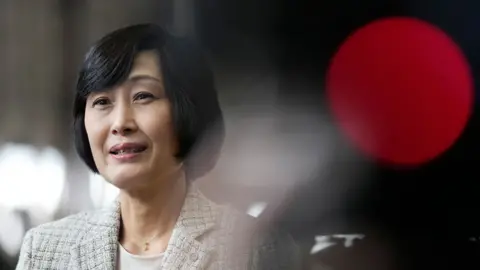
(401, 90)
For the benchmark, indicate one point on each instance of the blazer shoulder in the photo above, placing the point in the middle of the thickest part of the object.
(230, 215)
(267, 246)
(70, 223)
(59, 233)
(262, 234)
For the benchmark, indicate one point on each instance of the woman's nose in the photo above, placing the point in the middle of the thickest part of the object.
(124, 122)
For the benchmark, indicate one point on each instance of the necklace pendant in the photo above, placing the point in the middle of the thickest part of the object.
(147, 245)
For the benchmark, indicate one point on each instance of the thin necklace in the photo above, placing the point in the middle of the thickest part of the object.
(146, 244)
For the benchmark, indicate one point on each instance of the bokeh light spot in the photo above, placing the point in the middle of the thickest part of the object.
(401, 90)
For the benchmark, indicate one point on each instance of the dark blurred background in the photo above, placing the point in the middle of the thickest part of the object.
(270, 59)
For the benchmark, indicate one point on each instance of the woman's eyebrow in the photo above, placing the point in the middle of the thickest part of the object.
(137, 78)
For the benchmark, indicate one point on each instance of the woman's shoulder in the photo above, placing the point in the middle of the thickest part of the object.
(66, 229)
(233, 221)
(231, 218)
(70, 222)
(48, 246)
(265, 244)
(53, 239)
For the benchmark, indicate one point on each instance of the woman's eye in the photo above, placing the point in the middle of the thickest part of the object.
(141, 96)
(101, 102)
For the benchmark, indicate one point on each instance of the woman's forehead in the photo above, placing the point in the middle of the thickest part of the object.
(145, 68)
(146, 64)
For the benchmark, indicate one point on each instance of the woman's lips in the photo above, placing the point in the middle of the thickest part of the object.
(127, 151)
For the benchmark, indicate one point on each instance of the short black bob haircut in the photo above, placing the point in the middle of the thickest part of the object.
(188, 82)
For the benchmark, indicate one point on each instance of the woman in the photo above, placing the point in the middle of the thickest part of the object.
(144, 100)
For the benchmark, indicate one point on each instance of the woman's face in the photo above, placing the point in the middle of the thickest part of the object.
(129, 127)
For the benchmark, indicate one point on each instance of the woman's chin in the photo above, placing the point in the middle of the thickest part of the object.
(126, 179)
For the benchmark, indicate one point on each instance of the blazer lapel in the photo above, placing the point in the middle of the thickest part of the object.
(197, 217)
(97, 249)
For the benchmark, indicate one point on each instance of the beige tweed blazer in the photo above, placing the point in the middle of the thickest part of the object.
(206, 236)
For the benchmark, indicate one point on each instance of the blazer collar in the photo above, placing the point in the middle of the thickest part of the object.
(98, 247)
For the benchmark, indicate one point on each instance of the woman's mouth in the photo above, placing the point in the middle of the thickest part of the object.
(127, 151)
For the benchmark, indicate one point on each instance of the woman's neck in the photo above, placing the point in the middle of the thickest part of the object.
(151, 213)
